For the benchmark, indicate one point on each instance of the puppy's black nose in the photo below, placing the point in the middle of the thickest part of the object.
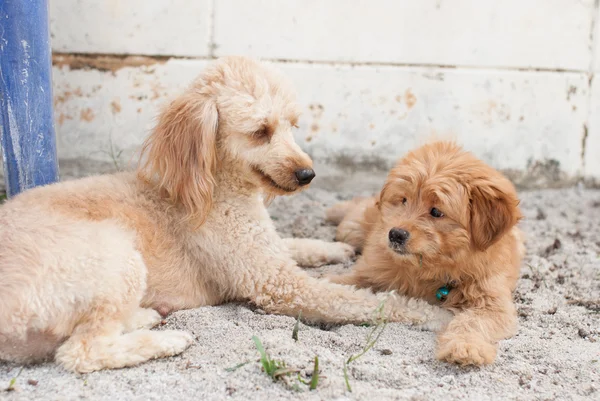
(398, 236)
(304, 176)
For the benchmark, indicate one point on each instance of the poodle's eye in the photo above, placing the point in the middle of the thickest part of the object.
(262, 132)
(436, 212)
(404, 201)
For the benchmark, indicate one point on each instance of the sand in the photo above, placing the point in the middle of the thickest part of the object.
(555, 355)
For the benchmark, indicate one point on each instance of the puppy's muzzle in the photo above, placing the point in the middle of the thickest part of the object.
(398, 238)
(304, 176)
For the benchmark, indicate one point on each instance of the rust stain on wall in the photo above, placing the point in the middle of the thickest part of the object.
(62, 117)
(86, 115)
(410, 99)
(103, 62)
(316, 110)
(115, 106)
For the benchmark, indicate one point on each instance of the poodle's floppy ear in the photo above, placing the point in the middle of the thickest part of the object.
(494, 211)
(181, 153)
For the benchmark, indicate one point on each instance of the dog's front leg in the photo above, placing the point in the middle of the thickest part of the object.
(289, 291)
(314, 252)
(471, 337)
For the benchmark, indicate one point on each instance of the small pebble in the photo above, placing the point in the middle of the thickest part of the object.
(583, 333)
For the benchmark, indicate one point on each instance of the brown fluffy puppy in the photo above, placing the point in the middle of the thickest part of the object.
(443, 229)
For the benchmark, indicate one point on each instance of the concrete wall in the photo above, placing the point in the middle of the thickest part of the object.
(512, 80)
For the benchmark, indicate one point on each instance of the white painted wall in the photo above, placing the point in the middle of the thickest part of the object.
(510, 79)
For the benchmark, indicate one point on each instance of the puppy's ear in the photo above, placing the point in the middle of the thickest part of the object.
(494, 211)
(181, 153)
(378, 201)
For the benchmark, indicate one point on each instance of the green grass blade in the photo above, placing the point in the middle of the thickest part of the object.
(346, 379)
(264, 358)
(13, 381)
(314, 381)
(236, 367)
(296, 327)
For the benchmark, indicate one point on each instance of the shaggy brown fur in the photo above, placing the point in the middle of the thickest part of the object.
(459, 218)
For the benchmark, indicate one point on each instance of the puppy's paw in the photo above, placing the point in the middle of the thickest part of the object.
(465, 350)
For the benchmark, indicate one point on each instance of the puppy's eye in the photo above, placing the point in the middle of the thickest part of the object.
(436, 212)
(395, 201)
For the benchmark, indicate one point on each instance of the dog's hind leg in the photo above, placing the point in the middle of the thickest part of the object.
(142, 318)
(338, 212)
(111, 330)
(314, 252)
(100, 344)
(354, 218)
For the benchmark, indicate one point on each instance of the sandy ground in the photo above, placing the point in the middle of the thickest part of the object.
(555, 354)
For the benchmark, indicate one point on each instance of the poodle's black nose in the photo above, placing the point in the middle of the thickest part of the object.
(398, 236)
(305, 176)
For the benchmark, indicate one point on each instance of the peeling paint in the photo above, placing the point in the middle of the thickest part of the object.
(571, 91)
(14, 136)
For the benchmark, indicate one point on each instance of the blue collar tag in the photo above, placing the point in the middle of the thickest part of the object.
(442, 293)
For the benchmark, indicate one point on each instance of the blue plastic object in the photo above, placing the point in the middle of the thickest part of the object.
(26, 120)
(442, 293)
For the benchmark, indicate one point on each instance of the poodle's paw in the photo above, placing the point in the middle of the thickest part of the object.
(339, 252)
(321, 253)
(465, 350)
(174, 342)
(438, 320)
(143, 319)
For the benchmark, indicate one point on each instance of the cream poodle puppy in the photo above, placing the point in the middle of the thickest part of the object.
(87, 267)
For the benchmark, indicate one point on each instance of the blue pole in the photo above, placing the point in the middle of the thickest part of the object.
(26, 120)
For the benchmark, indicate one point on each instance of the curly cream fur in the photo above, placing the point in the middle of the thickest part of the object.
(84, 264)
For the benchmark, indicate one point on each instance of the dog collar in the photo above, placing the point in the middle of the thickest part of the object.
(442, 293)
